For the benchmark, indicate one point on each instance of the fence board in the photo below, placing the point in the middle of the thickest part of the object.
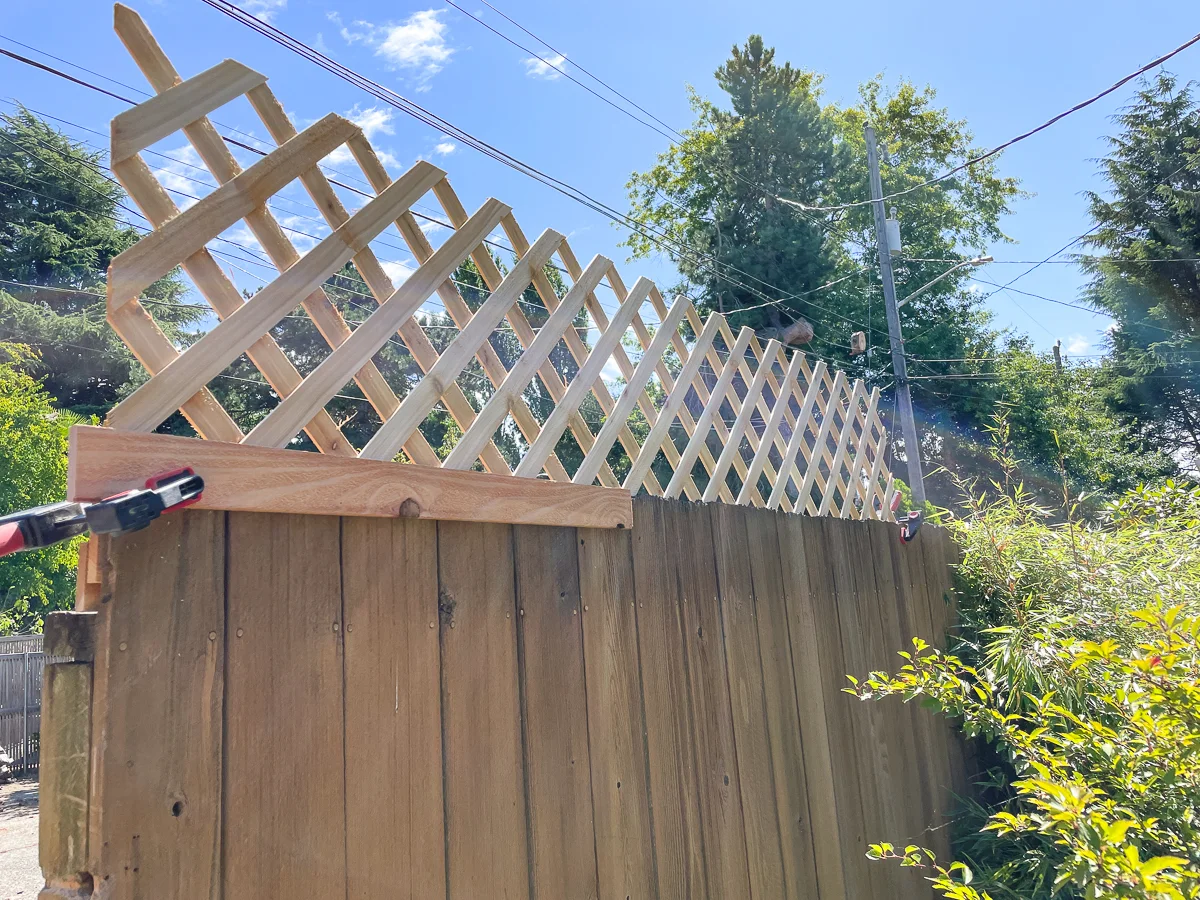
(284, 709)
(486, 835)
(554, 713)
(157, 708)
(376, 716)
(670, 737)
(692, 549)
(807, 665)
(756, 778)
(395, 837)
(788, 759)
(616, 716)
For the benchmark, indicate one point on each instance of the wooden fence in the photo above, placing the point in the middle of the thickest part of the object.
(21, 701)
(703, 413)
(319, 706)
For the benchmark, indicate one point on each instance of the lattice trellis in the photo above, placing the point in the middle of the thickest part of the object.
(786, 435)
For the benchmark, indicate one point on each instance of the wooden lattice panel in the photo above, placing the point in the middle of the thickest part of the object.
(765, 428)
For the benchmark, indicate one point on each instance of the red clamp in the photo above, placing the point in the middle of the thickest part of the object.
(119, 514)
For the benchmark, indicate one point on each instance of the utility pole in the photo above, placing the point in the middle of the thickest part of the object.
(908, 422)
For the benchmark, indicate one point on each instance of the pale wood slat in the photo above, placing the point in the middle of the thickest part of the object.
(874, 487)
(822, 435)
(701, 387)
(217, 157)
(623, 363)
(637, 382)
(888, 493)
(556, 422)
(783, 401)
(819, 453)
(865, 490)
(420, 400)
(135, 269)
(146, 407)
(798, 439)
(523, 330)
(155, 352)
(747, 376)
(712, 410)
(847, 439)
(660, 433)
(865, 443)
(490, 361)
(456, 306)
(839, 458)
(466, 451)
(161, 116)
(335, 370)
(271, 112)
(224, 297)
(733, 445)
(854, 486)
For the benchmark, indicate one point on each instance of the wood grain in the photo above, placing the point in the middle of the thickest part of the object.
(756, 776)
(160, 116)
(554, 712)
(616, 716)
(156, 806)
(802, 596)
(487, 841)
(787, 743)
(258, 479)
(670, 737)
(691, 551)
(395, 841)
(284, 708)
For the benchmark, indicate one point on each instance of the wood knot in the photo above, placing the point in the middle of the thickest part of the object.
(409, 509)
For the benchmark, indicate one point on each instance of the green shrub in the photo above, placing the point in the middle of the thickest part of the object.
(1077, 666)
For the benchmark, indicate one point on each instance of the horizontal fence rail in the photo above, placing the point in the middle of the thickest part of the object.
(703, 412)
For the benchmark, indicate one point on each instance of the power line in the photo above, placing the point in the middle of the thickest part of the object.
(616, 216)
(990, 153)
(431, 119)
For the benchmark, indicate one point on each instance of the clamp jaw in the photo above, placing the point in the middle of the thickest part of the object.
(119, 514)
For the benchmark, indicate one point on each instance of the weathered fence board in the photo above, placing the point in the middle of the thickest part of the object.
(291, 705)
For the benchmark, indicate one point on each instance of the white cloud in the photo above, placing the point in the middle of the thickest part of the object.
(398, 272)
(1078, 345)
(374, 120)
(418, 43)
(264, 9)
(548, 69)
(179, 177)
(445, 148)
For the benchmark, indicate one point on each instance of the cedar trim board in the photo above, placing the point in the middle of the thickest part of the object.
(104, 462)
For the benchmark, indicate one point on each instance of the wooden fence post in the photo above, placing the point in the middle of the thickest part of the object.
(69, 647)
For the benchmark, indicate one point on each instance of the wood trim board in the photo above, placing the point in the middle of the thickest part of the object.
(237, 477)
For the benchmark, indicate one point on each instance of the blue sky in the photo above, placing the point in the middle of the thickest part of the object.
(1002, 68)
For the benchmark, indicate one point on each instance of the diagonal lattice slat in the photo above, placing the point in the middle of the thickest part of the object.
(703, 413)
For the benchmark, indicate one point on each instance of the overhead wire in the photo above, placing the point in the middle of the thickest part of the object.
(427, 117)
(1010, 142)
(610, 213)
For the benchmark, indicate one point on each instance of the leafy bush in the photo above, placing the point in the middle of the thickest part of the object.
(33, 472)
(1078, 668)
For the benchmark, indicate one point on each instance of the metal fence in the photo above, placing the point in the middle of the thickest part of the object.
(21, 700)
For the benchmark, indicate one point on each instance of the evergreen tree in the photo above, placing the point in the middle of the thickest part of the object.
(1148, 228)
(59, 231)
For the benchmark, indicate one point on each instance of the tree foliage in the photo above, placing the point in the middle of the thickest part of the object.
(58, 234)
(33, 472)
(1078, 667)
(1148, 278)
